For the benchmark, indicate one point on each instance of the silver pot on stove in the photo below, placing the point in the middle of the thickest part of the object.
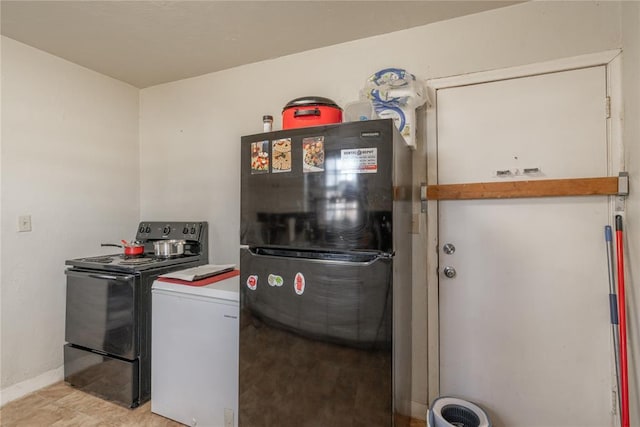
(169, 248)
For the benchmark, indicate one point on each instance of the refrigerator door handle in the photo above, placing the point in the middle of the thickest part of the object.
(323, 258)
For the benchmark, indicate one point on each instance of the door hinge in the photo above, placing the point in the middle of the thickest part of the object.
(607, 107)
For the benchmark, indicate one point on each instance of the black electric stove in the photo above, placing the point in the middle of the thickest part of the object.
(108, 314)
(119, 262)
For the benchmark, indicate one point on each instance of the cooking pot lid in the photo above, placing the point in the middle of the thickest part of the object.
(311, 100)
(170, 242)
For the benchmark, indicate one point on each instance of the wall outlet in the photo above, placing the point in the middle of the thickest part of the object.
(228, 417)
(24, 223)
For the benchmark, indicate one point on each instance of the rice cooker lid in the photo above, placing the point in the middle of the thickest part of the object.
(311, 100)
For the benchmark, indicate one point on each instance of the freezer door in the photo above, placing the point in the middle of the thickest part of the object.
(315, 341)
(325, 188)
(344, 299)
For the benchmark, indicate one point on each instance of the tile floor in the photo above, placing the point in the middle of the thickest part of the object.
(62, 405)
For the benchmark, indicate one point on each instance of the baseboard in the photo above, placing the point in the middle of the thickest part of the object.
(23, 388)
(418, 411)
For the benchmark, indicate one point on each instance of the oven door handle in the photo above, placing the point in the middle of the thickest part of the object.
(102, 276)
(118, 278)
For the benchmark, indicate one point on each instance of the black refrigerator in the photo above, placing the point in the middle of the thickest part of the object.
(325, 264)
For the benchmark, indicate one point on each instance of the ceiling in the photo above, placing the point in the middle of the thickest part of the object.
(145, 43)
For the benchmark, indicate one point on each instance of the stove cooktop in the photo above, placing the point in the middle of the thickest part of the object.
(118, 262)
(122, 259)
(196, 249)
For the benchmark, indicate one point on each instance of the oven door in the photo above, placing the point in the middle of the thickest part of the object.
(101, 312)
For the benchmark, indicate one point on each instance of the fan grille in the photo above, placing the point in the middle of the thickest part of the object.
(460, 416)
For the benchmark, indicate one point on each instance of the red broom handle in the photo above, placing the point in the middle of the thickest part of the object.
(624, 377)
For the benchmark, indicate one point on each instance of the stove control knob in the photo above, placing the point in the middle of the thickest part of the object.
(141, 229)
(147, 230)
(193, 230)
(166, 229)
(185, 230)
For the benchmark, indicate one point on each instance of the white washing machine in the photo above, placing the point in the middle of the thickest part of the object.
(194, 351)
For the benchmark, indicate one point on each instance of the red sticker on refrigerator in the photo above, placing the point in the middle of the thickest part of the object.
(252, 282)
(298, 284)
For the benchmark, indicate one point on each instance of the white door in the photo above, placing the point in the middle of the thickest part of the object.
(524, 324)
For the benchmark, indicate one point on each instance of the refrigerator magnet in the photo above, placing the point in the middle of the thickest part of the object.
(274, 280)
(281, 155)
(259, 157)
(299, 284)
(313, 154)
(252, 282)
(359, 160)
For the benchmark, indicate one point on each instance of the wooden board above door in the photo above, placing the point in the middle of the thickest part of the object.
(604, 186)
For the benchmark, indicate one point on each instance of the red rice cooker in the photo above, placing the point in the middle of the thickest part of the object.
(310, 111)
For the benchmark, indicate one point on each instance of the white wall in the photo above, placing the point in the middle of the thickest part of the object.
(631, 113)
(191, 129)
(70, 159)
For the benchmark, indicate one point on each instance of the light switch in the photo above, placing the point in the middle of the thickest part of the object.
(24, 223)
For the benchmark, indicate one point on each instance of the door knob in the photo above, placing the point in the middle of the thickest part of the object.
(448, 248)
(450, 272)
